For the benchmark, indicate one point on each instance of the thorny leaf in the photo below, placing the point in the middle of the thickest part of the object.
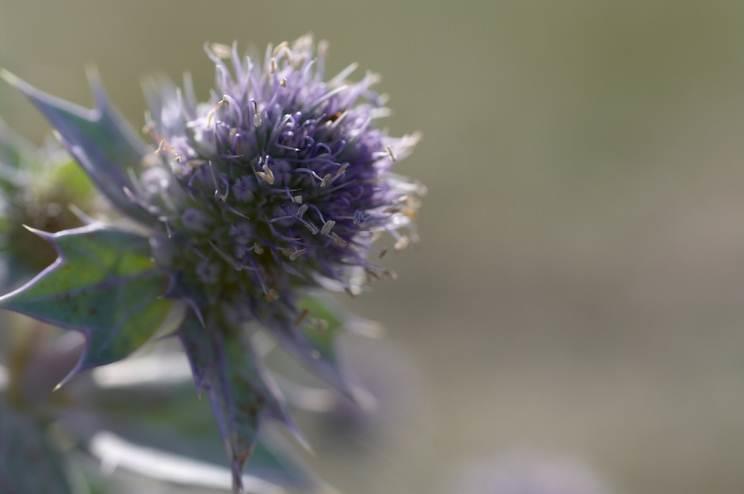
(225, 367)
(105, 285)
(99, 139)
(181, 424)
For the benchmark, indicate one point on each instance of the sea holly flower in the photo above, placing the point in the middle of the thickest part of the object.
(277, 185)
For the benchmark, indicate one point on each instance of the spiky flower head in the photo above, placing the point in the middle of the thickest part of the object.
(284, 180)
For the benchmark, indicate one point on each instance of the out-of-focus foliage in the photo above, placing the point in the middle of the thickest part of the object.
(29, 461)
(39, 186)
(112, 418)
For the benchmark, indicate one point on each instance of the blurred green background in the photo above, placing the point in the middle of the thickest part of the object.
(579, 285)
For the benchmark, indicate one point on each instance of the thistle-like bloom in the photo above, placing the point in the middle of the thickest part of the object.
(277, 185)
(283, 182)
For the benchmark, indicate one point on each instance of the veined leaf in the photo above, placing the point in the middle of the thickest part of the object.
(99, 139)
(105, 285)
(225, 367)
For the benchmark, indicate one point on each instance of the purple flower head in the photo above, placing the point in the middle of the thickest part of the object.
(285, 181)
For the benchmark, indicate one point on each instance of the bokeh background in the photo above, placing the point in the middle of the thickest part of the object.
(578, 288)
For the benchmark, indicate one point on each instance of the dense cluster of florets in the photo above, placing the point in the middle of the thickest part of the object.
(283, 179)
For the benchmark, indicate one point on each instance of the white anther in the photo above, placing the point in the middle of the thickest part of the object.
(402, 243)
(341, 170)
(281, 47)
(266, 175)
(327, 227)
(302, 210)
(283, 82)
(274, 66)
(257, 121)
(297, 199)
(292, 254)
(214, 110)
(221, 50)
(258, 249)
(326, 180)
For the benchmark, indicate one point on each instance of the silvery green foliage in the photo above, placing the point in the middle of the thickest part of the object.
(116, 289)
(109, 415)
(277, 185)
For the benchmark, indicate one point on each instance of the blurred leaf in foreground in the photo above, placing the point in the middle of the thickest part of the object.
(29, 462)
